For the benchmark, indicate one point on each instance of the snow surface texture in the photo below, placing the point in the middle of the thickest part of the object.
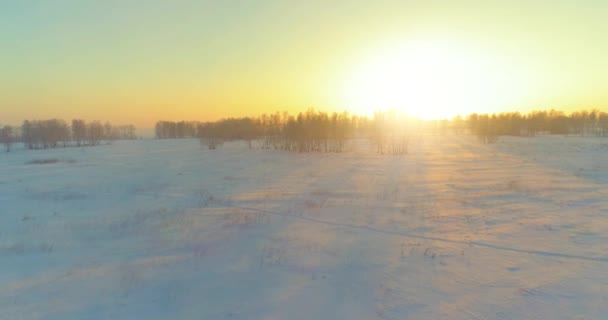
(169, 230)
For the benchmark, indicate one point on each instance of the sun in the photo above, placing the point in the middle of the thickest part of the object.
(430, 80)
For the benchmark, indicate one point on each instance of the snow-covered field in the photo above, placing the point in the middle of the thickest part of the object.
(168, 230)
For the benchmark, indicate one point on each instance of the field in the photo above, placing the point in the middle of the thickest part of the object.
(166, 229)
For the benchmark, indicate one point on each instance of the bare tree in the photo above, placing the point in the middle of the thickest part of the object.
(56, 130)
(108, 132)
(27, 134)
(79, 131)
(6, 136)
(94, 133)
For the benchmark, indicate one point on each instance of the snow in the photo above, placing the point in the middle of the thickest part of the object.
(153, 229)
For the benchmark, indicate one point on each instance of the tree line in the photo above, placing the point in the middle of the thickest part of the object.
(488, 127)
(176, 130)
(53, 133)
(388, 132)
(309, 131)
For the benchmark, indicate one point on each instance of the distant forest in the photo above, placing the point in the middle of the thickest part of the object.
(313, 131)
(389, 132)
(306, 132)
(53, 133)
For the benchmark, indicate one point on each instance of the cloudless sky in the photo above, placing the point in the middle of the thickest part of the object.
(141, 61)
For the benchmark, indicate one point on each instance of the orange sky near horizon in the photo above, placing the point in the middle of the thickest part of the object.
(142, 61)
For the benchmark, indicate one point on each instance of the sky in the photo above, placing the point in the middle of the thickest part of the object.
(142, 61)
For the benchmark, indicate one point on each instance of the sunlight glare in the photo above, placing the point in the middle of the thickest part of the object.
(431, 80)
